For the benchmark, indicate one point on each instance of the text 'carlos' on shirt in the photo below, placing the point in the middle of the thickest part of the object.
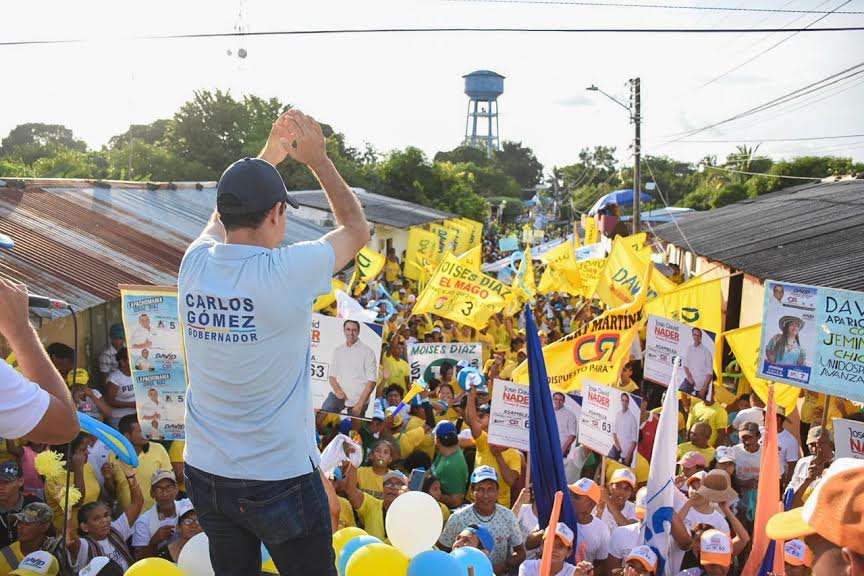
(247, 320)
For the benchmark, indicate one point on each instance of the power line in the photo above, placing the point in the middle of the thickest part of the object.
(773, 46)
(347, 31)
(760, 174)
(795, 94)
(656, 6)
(758, 140)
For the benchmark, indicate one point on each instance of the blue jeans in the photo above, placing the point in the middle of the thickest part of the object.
(291, 517)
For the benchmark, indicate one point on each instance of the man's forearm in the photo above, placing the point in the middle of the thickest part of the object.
(37, 367)
(343, 202)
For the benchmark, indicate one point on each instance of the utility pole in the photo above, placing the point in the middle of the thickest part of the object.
(636, 117)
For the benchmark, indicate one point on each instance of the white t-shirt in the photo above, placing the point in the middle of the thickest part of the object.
(746, 463)
(626, 428)
(149, 522)
(150, 409)
(789, 451)
(121, 525)
(126, 393)
(799, 475)
(247, 325)
(568, 424)
(624, 539)
(97, 456)
(699, 360)
(592, 540)
(532, 568)
(22, 403)
(529, 524)
(629, 512)
(714, 518)
(354, 367)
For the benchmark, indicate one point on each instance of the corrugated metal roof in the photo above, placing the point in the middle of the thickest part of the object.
(379, 209)
(810, 234)
(77, 242)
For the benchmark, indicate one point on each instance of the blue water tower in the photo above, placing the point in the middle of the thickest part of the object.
(483, 88)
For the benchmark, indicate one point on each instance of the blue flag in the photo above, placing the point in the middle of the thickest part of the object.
(547, 461)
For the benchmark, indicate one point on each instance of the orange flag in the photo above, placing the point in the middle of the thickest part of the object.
(546, 559)
(767, 495)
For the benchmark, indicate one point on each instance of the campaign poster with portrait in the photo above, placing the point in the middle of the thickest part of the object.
(813, 337)
(848, 438)
(156, 359)
(667, 340)
(609, 424)
(509, 418)
(428, 360)
(345, 355)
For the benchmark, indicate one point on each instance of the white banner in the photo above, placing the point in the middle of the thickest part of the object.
(427, 359)
(667, 340)
(508, 415)
(848, 438)
(609, 424)
(344, 364)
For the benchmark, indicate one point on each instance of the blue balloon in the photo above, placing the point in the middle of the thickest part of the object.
(433, 563)
(111, 437)
(473, 558)
(351, 547)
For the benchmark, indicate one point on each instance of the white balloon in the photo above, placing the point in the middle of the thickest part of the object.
(194, 558)
(414, 522)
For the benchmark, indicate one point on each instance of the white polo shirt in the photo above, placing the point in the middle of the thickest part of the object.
(22, 403)
(354, 367)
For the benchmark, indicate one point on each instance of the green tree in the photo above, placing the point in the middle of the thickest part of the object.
(463, 154)
(520, 163)
(34, 140)
(153, 133)
(728, 195)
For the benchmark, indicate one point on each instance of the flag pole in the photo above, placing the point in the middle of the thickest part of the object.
(549, 543)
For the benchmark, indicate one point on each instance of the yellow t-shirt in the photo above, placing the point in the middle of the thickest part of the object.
(370, 482)
(156, 458)
(371, 513)
(685, 447)
(488, 344)
(346, 514)
(397, 369)
(15, 550)
(485, 458)
(444, 511)
(814, 403)
(630, 386)
(714, 415)
(55, 488)
(391, 271)
(175, 452)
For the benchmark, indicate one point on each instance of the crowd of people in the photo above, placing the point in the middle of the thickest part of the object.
(438, 443)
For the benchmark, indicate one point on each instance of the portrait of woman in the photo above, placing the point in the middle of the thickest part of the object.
(785, 349)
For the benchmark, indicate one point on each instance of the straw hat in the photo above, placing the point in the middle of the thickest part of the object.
(789, 319)
(717, 487)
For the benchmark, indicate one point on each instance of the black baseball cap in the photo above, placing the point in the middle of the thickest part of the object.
(250, 185)
(10, 470)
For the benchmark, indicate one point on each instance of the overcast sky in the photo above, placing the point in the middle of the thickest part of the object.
(392, 90)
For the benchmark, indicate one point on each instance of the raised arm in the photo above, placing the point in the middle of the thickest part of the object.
(297, 135)
(59, 423)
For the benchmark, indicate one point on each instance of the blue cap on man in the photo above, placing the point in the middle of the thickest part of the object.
(250, 185)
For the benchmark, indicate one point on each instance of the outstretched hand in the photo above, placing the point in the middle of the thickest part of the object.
(296, 135)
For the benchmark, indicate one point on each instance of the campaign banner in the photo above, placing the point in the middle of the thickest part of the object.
(813, 337)
(428, 359)
(609, 424)
(345, 355)
(156, 359)
(848, 438)
(668, 340)
(508, 415)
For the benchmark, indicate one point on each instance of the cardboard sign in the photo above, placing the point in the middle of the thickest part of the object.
(848, 438)
(609, 424)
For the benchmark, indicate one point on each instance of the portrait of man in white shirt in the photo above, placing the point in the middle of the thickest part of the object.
(353, 374)
(698, 364)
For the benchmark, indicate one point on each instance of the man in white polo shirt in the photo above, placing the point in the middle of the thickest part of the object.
(251, 459)
(353, 374)
(698, 366)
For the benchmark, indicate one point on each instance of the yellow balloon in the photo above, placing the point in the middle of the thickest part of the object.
(341, 537)
(376, 560)
(153, 567)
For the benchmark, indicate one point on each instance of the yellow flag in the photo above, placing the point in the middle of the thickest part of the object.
(369, 263)
(472, 258)
(326, 300)
(745, 343)
(592, 232)
(582, 280)
(697, 302)
(619, 280)
(476, 230)
(446, 238)
(461, 294)
(596, 351)
(422, 251)
(552, 280)
(461, 236)
(558, 260)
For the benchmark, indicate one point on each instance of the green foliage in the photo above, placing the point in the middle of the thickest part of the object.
(520, 163)
(728, 195)
(32, 141)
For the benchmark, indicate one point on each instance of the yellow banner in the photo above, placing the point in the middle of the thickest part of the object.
(696, 302)
(524, 286)
(446, 238)
(476, 230)
(326, 300)
(625, 266)
(422, 251)
(596, 351)
(461, 294)
(745, 343)
(472, 258)
(592, 232)
(582, 281)
(369, 263)
(462, 236)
